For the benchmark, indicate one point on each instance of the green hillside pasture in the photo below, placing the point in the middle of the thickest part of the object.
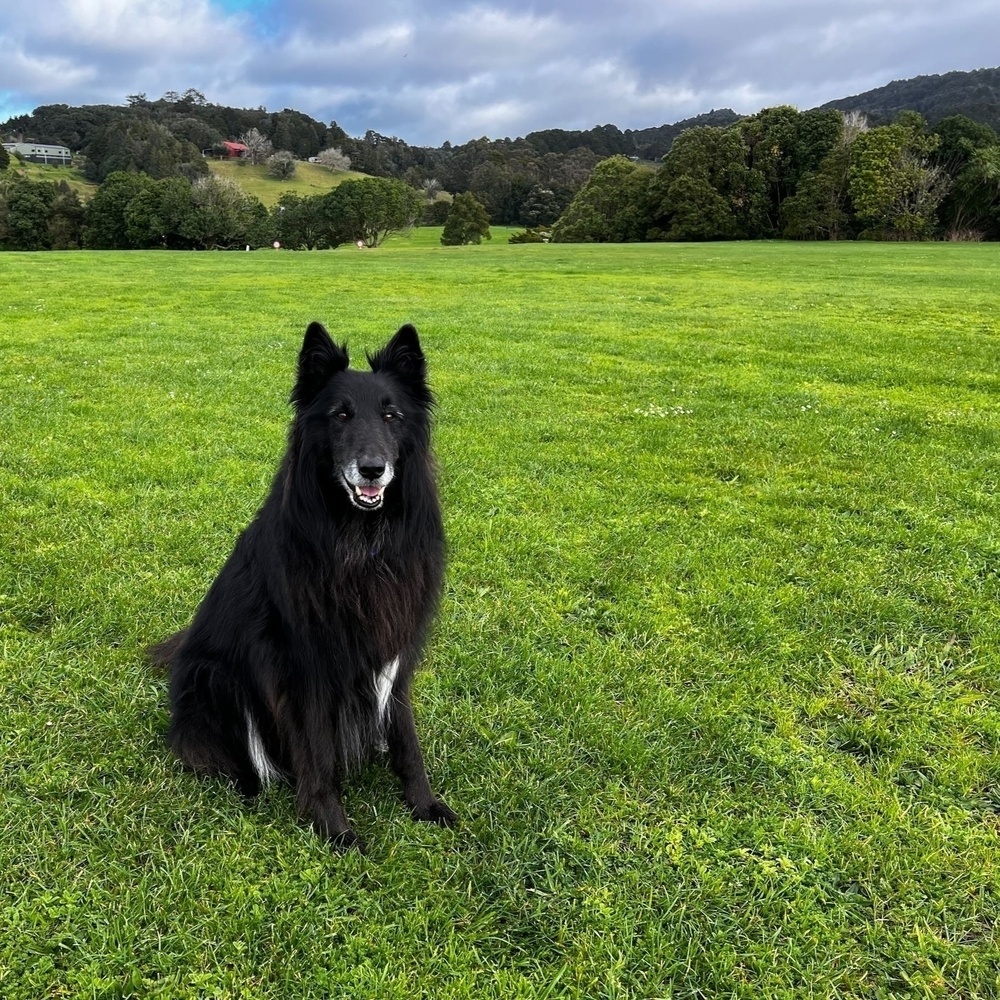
(53, 174)
(309, 178)
(714, 684)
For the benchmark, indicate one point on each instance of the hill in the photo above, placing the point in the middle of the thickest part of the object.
(310, 178)
(975, 94)
(524, 181)
(54, 174)
(608, 140)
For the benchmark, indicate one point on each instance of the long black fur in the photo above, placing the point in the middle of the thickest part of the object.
(337, 577)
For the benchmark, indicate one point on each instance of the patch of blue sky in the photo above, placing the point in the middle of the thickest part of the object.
(264, 16)
(12, 105)
(232, 6)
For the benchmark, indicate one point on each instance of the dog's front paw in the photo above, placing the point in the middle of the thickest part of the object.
(435, 811)
(345, 840)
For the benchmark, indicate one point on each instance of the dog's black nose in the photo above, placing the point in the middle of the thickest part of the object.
(371, 468)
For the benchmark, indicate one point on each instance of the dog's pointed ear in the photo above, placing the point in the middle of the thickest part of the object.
(319, 360)
(404, 359)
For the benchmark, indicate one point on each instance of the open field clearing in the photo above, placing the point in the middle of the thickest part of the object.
(714, 685)
(55, 175)
(309, 179)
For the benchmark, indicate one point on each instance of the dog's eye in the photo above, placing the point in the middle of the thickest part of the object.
(342, 415)
(388, 417)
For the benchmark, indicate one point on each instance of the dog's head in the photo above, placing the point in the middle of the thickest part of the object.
(366, 422)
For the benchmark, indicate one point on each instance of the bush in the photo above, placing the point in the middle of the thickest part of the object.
(538, 235)
(436, 213)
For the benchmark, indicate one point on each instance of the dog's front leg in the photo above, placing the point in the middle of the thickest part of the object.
(318, 799)
(318, 777)
(408, 762)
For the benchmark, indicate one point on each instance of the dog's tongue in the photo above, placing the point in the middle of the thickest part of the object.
(369, 491)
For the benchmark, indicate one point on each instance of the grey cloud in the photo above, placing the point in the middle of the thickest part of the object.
(433, 70)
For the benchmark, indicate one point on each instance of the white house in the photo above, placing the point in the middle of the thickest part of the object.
(40, 152)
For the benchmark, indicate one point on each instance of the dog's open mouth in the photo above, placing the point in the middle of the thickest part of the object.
(365, 496)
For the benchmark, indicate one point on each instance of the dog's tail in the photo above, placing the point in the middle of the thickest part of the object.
(162, 654)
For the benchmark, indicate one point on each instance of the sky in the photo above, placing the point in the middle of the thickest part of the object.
(428, 71)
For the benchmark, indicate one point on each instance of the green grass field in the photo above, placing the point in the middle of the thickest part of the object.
(714, 684)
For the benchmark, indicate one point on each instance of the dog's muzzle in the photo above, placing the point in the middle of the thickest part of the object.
(366, 485)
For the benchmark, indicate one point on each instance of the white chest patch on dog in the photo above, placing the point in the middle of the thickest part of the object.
(266, 771)
(384, 681)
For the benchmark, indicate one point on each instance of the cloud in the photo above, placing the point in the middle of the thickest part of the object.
(430, 70)
(98, 51)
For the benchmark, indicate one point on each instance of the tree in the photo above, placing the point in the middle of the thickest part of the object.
(66, 219)
(25, 209)
(541, 208)
(228, 217)
(436, 212)
(713, 159)
(977, 195)
(259, 147)
(299, 223)
(4, 158)
(467, 222)
(969, 152)
(281, 165)
(105, 227)
(163, 215)
(959, 137)
(895, 189)
(821, 207)
(199, 133)
(609, 208)
(764, 168)
(333, 158)
(369, 210)
(492, 182)
(696, 211)
(780, 146)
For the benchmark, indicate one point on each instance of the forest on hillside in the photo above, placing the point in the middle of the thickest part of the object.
(974, 94)
(867, 171)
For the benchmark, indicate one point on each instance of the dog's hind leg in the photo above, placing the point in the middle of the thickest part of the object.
(208, 728)
(407, 761)
(161, 655)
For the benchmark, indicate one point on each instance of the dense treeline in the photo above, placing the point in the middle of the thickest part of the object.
(800, 175)
(780, 173)
(133, 211)
(527, 181)
(820, 174)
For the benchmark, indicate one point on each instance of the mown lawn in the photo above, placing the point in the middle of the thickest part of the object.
(713, 688)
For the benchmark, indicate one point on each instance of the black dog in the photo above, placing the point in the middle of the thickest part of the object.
(299, 659)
